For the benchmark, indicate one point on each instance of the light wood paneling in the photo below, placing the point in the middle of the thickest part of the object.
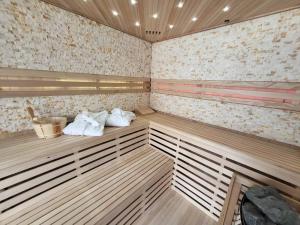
(207, 157)
(20, 83)
(281, 95)
(173, 209)
(209, 14)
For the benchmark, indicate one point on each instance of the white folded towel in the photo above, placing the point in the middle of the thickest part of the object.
(119, 118)
(87, 123)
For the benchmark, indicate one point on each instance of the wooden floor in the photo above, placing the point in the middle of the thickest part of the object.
(173, 209)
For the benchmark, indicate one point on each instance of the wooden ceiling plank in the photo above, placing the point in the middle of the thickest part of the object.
(210, 14)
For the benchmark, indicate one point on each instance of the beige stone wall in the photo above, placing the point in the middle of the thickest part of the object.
(264, 49)
(36, 35)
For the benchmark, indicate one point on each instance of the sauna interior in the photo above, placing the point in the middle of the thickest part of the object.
(150, 112)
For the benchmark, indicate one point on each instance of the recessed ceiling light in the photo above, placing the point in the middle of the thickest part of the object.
(180, 4)
(155, 15)
(226, 8)
(194, 19)
(115, 13)
(171, 26)
(137, 24)
(133, 2)
(84, 0)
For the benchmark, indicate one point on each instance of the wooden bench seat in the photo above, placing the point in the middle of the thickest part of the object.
(114, 178)
(206, 158)
(117, 192)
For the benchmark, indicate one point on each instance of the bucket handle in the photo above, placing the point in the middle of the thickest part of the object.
(30, 112)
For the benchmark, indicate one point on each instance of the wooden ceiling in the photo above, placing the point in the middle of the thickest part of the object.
(209, 14)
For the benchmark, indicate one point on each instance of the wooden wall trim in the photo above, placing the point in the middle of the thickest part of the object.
(280, 95)
(23, 82)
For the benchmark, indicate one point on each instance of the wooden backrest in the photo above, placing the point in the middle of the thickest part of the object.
(28, 169)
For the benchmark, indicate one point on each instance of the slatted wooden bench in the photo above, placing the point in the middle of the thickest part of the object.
(81, 180)
(207, 157)
(115, 178)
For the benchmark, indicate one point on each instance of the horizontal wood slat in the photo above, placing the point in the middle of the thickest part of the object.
(281, 95)
(21, 82)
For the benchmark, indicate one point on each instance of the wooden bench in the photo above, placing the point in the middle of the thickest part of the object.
(207, 157)
(81, 180)
(115, 178)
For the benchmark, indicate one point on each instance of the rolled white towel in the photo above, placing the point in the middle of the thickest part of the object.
(120, 118)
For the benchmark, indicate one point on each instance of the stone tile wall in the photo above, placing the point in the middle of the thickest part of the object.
(36, 35)
(264, 49)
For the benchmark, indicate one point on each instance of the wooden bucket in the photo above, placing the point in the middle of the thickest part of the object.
(47, 127)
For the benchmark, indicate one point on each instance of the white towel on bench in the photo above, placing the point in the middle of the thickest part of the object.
(88, 124)
(120, 118)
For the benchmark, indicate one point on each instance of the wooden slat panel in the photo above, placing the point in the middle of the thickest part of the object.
(16, 200)
(134, 134)
(194, 199)
(173, 209)
(274, 158)
(93, 150)
(202, 185)
(107, 193)
(20, 82)
(281, 95)
(203, 168)
(98, 155)
(209, 14)
(117, 216)
(130, 148)
(31, 210)
(34, 182)
(99, 195)
(17, 151)
(49, 163)
(35, 172)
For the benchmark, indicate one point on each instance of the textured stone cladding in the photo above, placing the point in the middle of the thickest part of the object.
(263, 49)
(36, 35)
